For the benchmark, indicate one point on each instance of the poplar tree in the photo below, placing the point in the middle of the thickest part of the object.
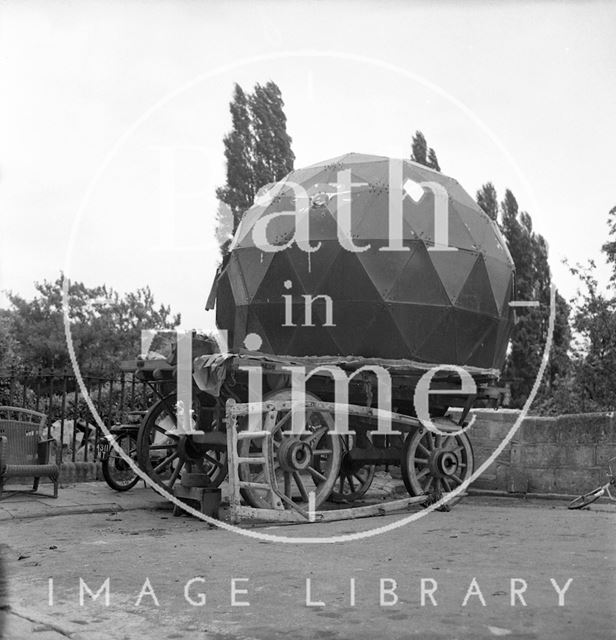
(487, 199)
(239, 190)
(257, 152)
(422, 154)
(273, 157)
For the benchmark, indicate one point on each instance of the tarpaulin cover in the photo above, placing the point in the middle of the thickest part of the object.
(420, 304)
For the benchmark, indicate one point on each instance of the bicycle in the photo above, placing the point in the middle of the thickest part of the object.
(593, 496)
(116, 471)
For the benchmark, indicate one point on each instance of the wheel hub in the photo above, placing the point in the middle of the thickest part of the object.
(188, 450)
(444, 463)
(294, 455)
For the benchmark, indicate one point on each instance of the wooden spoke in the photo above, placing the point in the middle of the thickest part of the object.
(425, 449)
(159, 467)
(351, 483)
(175, 474)
(300, 486)
(316, 474)
(424, 472)
(213, 460)
(283, 421)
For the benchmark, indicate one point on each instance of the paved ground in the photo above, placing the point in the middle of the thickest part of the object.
(479, 547)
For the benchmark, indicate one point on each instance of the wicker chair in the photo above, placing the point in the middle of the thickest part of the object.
(24, 452)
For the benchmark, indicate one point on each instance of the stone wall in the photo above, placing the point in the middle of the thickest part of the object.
(564, 455)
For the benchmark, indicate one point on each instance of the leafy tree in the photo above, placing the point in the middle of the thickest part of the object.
(487, 199)
(591, 385)
(421, 154)
(105, 327)
(533, 278)
(273, 156)
(239, 190)
(609, 248)
(257, 152)
(432, 160)
(595, 355)
(419, 149)
(8, 344)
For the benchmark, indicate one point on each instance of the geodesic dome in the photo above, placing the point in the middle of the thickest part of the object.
(433, 306)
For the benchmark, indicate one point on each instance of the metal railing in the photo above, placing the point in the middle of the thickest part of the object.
(69, 419)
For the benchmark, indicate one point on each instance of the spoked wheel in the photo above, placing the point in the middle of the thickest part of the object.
(117, 472)
(164, 455)
(588, 498)
(435, 464)
(304, 463)
(355, 477)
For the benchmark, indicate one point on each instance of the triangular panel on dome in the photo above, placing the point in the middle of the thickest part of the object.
(304, 175)
(236, 280)
(359, 158)
(415, 322)
(312, 341)
(379, 337)
(460, 235)
(458, 194)
(384, 267)
(272, 319)
(477, 224)
(243, 234)
(354, 328)
(280, 229)
(310, 270)
(225, 305)
(254, 265)
(453, 268)
(239, 326)
(476, 294)
(501, 280)
(322, 225)
(348, 280)
(485, 353)
(253, 325)
(439, 346)
(502, 342)
(419, 281)
(367, 219)
(373, 222)
(373, 172)
(472, 336)
(272, 286)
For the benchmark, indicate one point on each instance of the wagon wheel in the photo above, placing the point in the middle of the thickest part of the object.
(163, 455)
(355, 477)
(302, 463)
(435, 464)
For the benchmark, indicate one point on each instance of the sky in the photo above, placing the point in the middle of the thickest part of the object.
(112, 116)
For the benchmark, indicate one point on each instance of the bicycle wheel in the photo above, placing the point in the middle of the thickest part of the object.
(117, 472)
(586, 499)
